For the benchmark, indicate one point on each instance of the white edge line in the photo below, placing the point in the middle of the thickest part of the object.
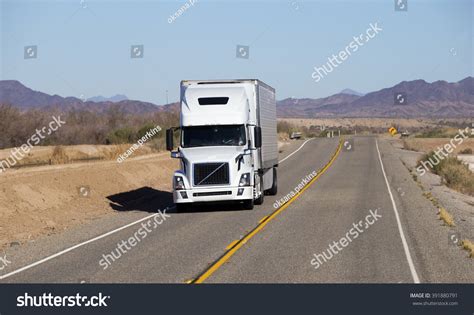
(76, 246)
(400, 229)
(103, 235)
(296, 150)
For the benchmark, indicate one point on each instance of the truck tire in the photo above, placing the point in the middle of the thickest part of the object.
(274, 190)
(260, 199)
(181, 207)
(248, 204)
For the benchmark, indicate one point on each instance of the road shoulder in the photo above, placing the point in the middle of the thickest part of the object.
(435, 257)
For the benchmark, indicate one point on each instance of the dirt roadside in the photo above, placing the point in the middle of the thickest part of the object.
(48, 199)
(458, 205)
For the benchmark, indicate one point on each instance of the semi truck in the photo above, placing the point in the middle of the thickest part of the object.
(228, 148)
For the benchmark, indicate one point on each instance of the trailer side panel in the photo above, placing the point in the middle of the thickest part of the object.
(268, 123)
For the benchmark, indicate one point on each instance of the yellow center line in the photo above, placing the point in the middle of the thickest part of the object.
(231, 245)
(236, 245)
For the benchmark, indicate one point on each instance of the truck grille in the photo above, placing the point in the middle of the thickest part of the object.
(212, 193)
(211, 174)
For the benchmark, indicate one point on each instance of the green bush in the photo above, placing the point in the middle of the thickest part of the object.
(120, 136)
(143, 130)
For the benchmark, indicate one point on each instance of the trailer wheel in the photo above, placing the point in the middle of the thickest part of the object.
(274, 190)
(259, 200)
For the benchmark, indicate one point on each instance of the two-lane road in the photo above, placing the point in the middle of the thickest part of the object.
(401, 244)
(328, 211)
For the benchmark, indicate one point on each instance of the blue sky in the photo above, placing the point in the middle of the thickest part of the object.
(84, 46)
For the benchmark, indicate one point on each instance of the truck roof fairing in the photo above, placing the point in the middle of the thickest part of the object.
(235, 111)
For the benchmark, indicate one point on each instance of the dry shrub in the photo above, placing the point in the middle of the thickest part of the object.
(159, 144)
(82, 126)
(410, 145)
(455, 173)
(466, 151)
(283, 136)
(114, 151)
(59, 156)
(446, 217)
(469, 246)
(457, 176)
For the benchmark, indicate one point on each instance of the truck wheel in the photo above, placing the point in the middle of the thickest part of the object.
(274, 190)
(259, 200)
(248, 204)
(181, 207)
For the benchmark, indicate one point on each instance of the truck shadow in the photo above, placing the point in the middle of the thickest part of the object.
(143, 199)
(214, 207)
(148, 199)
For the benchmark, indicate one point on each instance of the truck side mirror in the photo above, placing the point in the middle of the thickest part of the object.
(258, 137)
(169, 139)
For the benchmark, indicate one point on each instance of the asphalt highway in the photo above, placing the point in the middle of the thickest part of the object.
(349, 225)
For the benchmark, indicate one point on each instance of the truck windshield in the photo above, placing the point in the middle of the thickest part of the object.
(202, 136)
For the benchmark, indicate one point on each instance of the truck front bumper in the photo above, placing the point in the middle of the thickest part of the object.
(213, 194)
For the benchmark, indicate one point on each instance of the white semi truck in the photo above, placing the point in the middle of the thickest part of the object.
(228, 143)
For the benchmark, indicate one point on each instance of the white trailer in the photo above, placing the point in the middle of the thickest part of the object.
(228, 143)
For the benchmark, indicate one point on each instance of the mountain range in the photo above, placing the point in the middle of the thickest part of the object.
(416, 98)
(16, 94)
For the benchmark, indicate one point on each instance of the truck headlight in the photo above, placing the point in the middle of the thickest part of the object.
(178, 183)
(244, 180)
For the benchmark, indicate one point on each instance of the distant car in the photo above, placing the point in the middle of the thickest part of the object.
(405, 134)
(295, 135)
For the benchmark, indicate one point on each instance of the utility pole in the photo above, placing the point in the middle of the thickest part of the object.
(167, 97)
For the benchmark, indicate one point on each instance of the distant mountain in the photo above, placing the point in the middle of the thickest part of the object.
(308, 107)
(16, 94)
(351, 92)
(439, 99)
(420, 99)
(114, 99)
